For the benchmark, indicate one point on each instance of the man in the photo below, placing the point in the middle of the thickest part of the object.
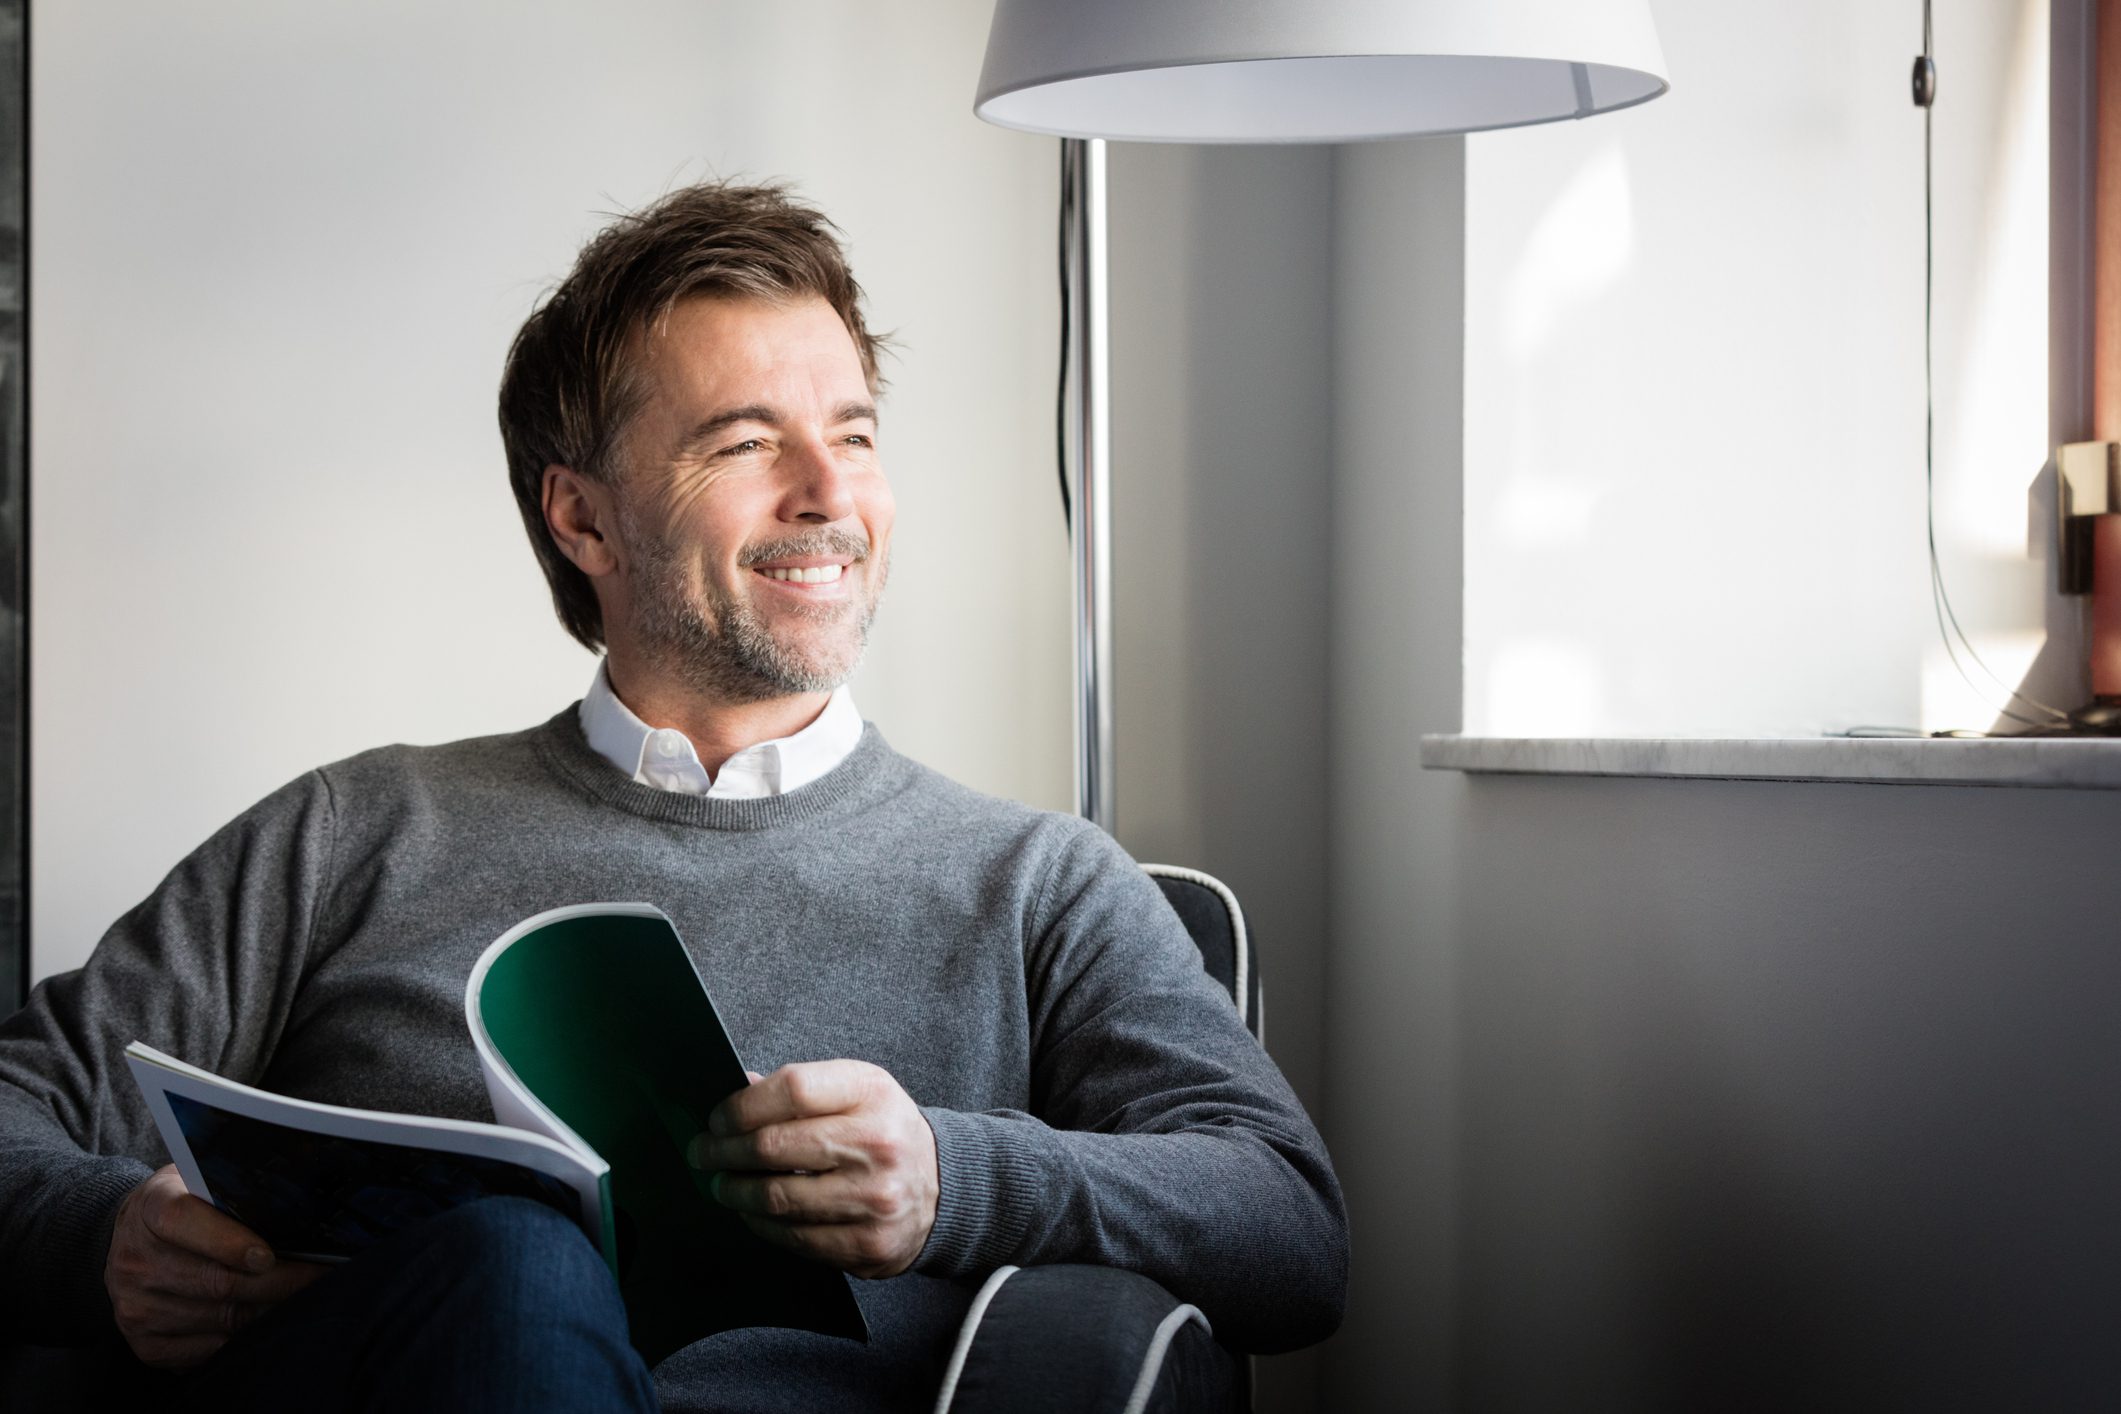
(986, 1038)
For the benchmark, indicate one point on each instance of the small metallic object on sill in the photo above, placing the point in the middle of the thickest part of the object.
(2087, 484)
(2087, 492)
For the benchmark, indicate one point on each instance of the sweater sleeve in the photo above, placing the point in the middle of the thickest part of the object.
(205, 969)
(1163, 1141)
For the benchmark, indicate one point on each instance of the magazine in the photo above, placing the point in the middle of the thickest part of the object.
(603, 1056)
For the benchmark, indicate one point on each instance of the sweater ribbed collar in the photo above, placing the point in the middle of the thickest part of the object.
(872, 764)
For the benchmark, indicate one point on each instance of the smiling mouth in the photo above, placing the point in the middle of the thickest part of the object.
(815, 574)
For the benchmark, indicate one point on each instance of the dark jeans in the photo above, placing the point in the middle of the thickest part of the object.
(498, 1305)
(504, 1305)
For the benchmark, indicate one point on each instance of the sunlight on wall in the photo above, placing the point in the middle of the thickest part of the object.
(1694, 383)
(1545, 687)
(1992, 410)
(1537, 512)
(1579, 247)
(1954, 695)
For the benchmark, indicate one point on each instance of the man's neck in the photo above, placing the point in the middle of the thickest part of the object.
(718, 730)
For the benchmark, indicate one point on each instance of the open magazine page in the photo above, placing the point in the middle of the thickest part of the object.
(513, 1103)
(593, 1021)
(320, 1182)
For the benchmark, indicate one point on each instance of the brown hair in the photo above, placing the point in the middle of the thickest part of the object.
(570, 385)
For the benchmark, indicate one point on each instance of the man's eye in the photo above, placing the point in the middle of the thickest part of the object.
(858, 439)
(748, 445)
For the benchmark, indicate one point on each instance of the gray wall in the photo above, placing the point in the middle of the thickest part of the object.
(1222, 429)
(1391, 1060)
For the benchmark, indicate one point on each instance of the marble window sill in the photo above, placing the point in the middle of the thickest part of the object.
(2052, 764)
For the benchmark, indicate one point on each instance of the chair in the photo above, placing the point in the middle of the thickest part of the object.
(1085, 1338)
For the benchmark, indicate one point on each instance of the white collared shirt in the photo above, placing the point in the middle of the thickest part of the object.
(664, 758)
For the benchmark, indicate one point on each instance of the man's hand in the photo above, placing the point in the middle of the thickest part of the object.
(831, 1158)
(183, 1276)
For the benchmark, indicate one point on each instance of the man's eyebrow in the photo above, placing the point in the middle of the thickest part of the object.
(707, 430)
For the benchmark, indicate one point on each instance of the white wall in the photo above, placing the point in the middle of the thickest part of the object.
(1694, 418)
(278, 254)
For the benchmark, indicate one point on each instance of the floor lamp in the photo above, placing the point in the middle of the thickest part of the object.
(1284, 71)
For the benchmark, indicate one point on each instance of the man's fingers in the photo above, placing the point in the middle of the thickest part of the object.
(197, 1227)
(190, 1277)
(183, 1277)
(270, 1288)
(174, 1334)
(797, 1198)
(158, 1313)
(795, 1092)
(832, 1159)
(180, 1280)
(813, 1145)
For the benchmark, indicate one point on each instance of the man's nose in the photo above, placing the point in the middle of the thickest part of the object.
(817, 484)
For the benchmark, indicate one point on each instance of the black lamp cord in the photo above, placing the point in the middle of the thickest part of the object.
(1925, 95)
(1067, 303)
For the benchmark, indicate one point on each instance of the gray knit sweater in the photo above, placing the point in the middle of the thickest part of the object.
(1093, 1095)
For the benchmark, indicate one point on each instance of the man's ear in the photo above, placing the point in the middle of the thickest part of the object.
(582, 517)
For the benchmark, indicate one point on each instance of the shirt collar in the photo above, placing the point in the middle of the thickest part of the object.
(665, 758)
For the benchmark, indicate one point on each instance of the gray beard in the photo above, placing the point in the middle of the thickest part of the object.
(735, 657)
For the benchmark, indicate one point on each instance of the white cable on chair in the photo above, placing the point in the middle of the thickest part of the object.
(1159, 1345)
(965, 1336)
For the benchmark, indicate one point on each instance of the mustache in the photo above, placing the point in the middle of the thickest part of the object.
(819, 542)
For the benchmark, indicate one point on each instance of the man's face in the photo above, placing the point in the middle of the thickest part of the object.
(753, 510)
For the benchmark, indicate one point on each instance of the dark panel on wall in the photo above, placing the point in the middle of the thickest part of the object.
(14, 528)
(1784, 1097)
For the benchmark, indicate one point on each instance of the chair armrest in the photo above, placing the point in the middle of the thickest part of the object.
(1087, 1338)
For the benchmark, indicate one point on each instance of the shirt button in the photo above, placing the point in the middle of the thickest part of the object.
(668, 745)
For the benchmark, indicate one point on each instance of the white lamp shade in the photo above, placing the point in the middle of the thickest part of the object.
(1311, 70)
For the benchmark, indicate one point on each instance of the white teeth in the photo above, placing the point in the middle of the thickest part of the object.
(822, 574)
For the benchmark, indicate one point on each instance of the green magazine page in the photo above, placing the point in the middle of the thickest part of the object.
(599, 1014)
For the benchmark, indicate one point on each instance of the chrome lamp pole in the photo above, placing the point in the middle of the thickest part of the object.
(1089, 470)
